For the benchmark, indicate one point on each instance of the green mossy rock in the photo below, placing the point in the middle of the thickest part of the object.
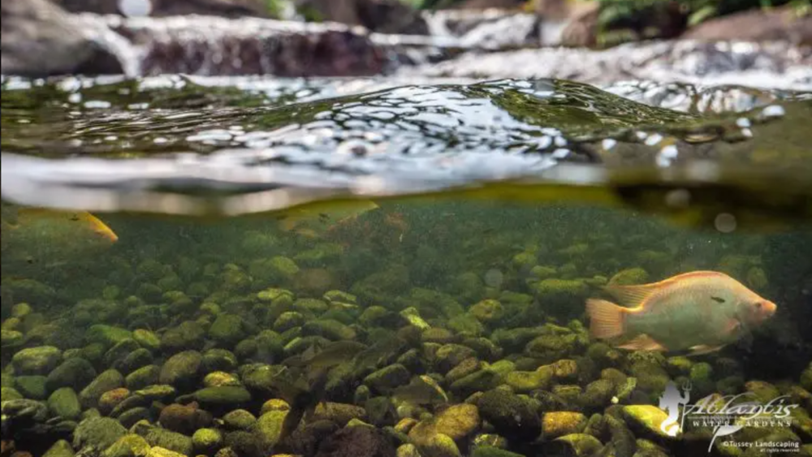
(32, 387)
(65, 403)
(511, 415)
(97, 433)
(75, 372)
(37, 360)
(646, 420)
(107, 335)
(61, 448)
(182, 370)
(106, 380)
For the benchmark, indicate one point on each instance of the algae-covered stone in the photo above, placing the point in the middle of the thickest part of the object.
(340, 413)
(223, 396)
(136, 359)
(646, 420)
(130, 445)
(186, 336)
(37, 360)
(207, 441)
(561, 293)
(329, 328)
(559, 423)
(762, 390)
(107, 335)
(511, 415)
(219, 360)
(466, 324)
(143, 377)
(580, 444)
(75, 372)
(515, 339)
(61, 448)
(806, 378)
(239, 419)
(679, 365)
(220, 379)
(549, 348)
(450, 355)
(11, 338)
(525, 381)
(651, 377)
(477, 381)
(182, 370)
(97, 433)
(10, 393)
(157, 451)
(387, 378)
(166, 439)
(487, 311)
(288, 320)
(227, 330)
(268, 428)
(105, 381)
(32, 387)
(64, 403)
(702, 382)
(629, 276)
(598, 394)
(147, 339)
(458, 421)
(412, 316)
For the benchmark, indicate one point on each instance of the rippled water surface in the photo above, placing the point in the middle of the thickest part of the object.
(454, 229)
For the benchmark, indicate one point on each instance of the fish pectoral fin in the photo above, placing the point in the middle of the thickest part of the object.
(733, 326)
(704, 349)
(643, 343)
(631, 296)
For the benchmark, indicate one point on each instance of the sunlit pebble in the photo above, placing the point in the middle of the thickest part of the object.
(545, 142)
(97, 104)
(138, 106)
(124, 91)
(493, 278)
(74, 143)
(75, 97)
(667, 155)
(608, 143)
(747, 133)
(110, 138)
(641, 135)
(160, 140)
(654, 139)
(560, 141)
(743, 122)
(135, 8)
(678, 198)
(773, 111)
(725, 222)
(23, 121)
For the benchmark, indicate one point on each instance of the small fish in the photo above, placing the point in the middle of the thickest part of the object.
(48, 222)
(701, 312)
(312, 220)
(422, 390)
(331, 355)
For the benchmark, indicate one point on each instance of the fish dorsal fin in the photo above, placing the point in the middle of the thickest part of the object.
(635, 295)
(631, 296)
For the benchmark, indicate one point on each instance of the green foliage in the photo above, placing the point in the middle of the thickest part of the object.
(628, 20)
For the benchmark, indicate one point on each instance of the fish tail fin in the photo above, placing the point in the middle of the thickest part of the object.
(606, 319)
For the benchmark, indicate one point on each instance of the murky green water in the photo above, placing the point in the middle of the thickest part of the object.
(441, 299)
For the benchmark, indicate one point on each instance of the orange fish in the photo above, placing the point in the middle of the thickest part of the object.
(701, 311)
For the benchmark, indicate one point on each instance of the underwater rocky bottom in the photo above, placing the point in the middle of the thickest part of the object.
(401, 329)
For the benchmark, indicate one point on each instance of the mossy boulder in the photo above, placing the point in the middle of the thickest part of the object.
(239, 419)
(95, 434)
(186, 336)
(511, 415)
(65, 403)
(388, 378)
(328, 328)
(556, 424)
(629, 276)
(105, 381)
(526, 381)
(223, 397)
(147, 339)
(487, 311)
(107, 335)
(219, 360)
(458, 421)
(450, 355)
(38, 360)
(646, 420)
(32, 387)
(143, 377)
(182, 370)
(579, 445)
(207, 441)
(227, 330)
(61, 448)
(268, 428)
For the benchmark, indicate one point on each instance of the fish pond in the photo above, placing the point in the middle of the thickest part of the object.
(376, 267)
